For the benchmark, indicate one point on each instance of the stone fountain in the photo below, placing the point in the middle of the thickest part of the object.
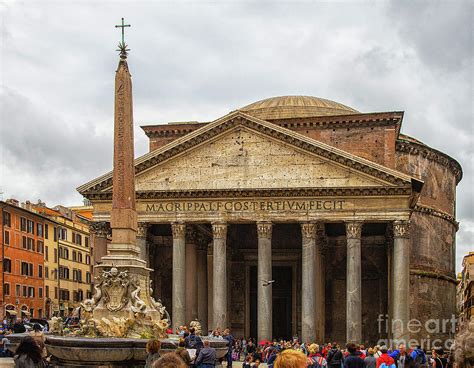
(122, 314)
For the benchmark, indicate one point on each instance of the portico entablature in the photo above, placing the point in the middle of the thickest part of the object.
(278, 209)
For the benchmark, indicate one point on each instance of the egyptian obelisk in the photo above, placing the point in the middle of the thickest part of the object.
(123, 278)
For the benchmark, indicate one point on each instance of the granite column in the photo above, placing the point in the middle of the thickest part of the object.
(264, 287)
(178, 316)
(219, 275)
(354, 283)
(100, 232)
(308, 290)
(401, 280)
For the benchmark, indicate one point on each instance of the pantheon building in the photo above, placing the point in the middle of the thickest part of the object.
(295, 216)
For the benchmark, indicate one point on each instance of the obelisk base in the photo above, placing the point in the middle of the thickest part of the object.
(123, 303)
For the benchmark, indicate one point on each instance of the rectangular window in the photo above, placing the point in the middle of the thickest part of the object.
(30, 242)
(46, 230)
(25, 291)
(79, 257)
(46, 291)
(39, 229)
(7, 265)
(73, 237)
(23, 224)
(46, 272)
(78, 239)
(7, 219)
(62, 234)
(6, 288)
(64, 294)
(31, 292)
(30, 269)
(55, 255)
(64, 273)
(88, 259)
(24, 269)
(40, 271)
(56, 293)
(25, 244)
(46, 253)
(6, 238)
(55, 235)
(74, 255)
(86, 240)
(88, 277)
(31, 227)
(18, 290)
(55, 273)
(40, 292)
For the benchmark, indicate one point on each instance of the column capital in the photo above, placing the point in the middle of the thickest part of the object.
(401, 229)
(308, 230)
(178, 229)
(264, 229)
(142, 229)
(100, 229)
(219, 230)
(354, 229)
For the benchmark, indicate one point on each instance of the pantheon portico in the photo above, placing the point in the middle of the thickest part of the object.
(293, 216)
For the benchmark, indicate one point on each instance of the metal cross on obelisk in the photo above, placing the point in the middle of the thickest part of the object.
(122, 47)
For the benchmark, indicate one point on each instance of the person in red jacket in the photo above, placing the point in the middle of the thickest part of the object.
(385, 359)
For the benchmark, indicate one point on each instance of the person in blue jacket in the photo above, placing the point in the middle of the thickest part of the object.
(419, 357)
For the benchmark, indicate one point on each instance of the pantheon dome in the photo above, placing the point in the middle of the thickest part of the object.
(284, 107)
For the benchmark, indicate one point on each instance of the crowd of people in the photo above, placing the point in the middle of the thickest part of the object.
(194, 350)
(296, 354)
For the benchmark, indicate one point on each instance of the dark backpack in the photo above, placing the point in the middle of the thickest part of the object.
(334, 357)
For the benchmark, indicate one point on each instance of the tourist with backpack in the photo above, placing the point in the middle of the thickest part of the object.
(385, 360)
(315, 359)
(335, 358)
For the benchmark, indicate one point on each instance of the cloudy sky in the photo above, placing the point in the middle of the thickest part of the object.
(198, 60)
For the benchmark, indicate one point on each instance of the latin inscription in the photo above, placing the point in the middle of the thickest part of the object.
(273, 205)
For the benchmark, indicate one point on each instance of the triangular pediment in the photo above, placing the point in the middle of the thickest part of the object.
(242, 152)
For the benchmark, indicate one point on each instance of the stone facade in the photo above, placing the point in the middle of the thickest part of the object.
(254, 185)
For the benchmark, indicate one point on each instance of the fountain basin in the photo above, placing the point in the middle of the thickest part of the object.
(79, 351)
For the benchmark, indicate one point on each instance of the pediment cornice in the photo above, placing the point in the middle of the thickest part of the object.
(238, 118)
(262, 193)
